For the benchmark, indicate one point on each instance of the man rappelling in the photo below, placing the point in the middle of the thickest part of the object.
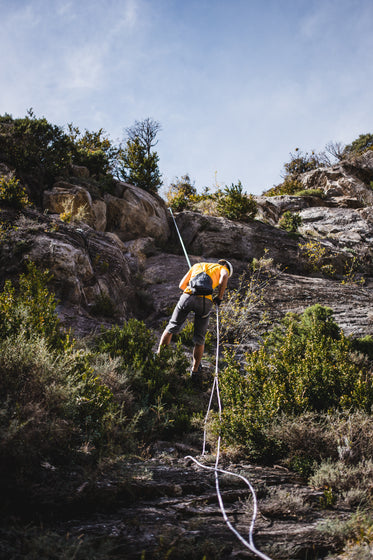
(198, 286)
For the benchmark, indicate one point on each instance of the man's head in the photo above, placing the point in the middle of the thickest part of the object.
(227, 265)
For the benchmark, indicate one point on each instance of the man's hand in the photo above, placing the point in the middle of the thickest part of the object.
(217, 300)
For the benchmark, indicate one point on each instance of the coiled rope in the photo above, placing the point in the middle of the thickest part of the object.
(249, 544)
(215, 387)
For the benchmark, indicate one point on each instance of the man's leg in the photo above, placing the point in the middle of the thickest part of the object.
(165, 340)
(178, 317)
(201, 322)
(197, 356)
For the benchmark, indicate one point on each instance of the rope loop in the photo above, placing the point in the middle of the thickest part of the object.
(215, 387)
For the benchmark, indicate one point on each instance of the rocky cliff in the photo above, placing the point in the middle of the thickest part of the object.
(117, 255)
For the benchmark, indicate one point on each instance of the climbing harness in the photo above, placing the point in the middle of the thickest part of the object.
(215, 387)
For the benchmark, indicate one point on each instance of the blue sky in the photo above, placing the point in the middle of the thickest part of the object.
(236, 84)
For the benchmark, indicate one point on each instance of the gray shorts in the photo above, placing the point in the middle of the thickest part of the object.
(202, 308)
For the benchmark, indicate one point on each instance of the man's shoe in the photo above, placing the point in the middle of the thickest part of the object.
(196, 376)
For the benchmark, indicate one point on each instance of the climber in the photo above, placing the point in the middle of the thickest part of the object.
(198, 285)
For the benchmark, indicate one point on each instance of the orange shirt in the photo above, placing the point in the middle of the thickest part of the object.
(212, 269)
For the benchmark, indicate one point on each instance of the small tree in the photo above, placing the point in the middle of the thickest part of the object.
(180, 193)
(301, 163)
(94, 150)
(139, 169)
(37, 150)
(145, 132)
(234, 204)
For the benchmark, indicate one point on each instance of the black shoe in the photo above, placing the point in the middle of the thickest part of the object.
(196, 376)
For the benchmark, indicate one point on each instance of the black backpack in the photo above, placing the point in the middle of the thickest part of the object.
(201, 284)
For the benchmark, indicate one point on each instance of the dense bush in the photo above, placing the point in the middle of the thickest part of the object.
(234, 204)
(363, 143)
(12, 193)
(180, 195)
(162, 396)
(40, 151)
(59, 404)
(93, 150)
(52, 406)
(306, 363)
(30, 308)
(290, 221)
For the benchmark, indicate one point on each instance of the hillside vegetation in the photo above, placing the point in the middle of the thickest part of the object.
(71, 408)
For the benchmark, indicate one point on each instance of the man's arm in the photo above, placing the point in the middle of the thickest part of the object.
(223, 283)
(185, 280)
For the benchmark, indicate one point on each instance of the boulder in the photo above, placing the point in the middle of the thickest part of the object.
(66, 197)
(99, 215)
(136, 214)
(86, 266)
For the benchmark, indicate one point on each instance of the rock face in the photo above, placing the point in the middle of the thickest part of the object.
(127, 254)
(136, 214)
(176, 508)
(131, 213)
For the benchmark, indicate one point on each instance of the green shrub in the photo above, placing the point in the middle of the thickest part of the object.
(30, 308)
(289, 186)
(301, 163)
(363, 143)
(51, 406)
(234, 204)
(12, 193)
(159, 382)
(180, 194)
(40, 151)
(93, 150)
(290, 221)
(311, 192)
(306, 363)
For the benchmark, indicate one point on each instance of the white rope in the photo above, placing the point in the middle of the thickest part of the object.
(249, 544)
(181, 239)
